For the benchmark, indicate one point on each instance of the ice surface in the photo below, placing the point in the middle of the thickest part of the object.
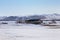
(14, 31)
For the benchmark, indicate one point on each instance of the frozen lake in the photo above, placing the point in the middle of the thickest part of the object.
(13, 31)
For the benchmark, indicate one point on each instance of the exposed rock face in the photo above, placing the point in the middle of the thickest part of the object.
(31, 21)
(34, 21)
(4, 23)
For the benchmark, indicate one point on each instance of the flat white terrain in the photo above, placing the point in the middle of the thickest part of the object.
(27, 32)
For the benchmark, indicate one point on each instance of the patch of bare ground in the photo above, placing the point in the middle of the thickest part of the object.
(54, 27)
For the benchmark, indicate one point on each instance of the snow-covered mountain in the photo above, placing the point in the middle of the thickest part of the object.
(52, 16)
(44, 16)
(1, 18)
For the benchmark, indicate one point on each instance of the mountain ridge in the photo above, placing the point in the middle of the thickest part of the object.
(43, 16)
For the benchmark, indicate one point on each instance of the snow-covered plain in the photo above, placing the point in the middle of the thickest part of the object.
(13, 31)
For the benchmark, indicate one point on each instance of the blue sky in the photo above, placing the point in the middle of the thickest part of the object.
(28, 7)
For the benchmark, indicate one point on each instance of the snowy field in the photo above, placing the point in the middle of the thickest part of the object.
(13, 31)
